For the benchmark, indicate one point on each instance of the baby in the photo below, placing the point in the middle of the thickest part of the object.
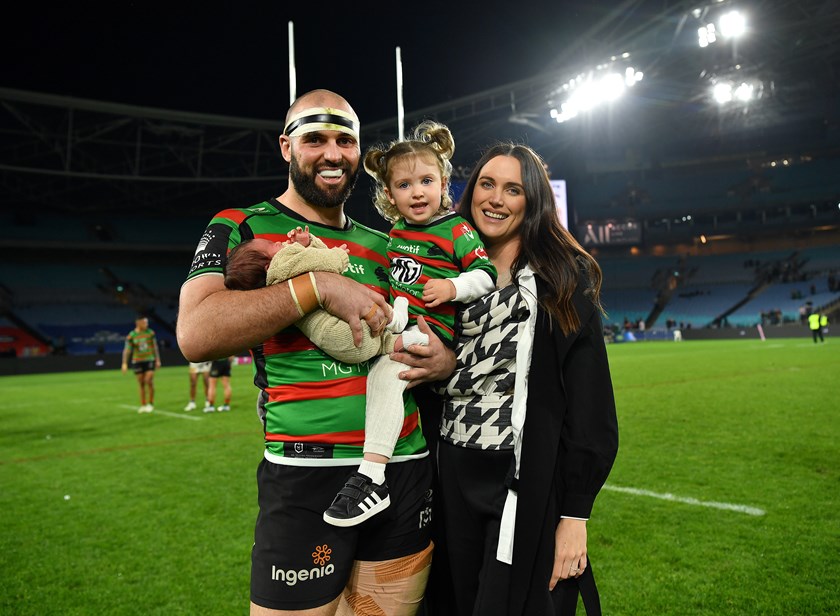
(260, 262)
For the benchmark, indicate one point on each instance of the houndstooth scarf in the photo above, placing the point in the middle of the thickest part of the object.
(479, 395)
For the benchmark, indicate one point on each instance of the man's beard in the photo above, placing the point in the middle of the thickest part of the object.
(307, 188)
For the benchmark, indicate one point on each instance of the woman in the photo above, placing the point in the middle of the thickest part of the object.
(529, 431)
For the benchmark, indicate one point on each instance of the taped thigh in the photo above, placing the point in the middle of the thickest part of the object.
(389, 587)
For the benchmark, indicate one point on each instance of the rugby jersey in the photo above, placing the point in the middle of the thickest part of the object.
(142, 345)
(441, 249)
(312, 406)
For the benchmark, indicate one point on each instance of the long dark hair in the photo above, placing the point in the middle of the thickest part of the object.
(551, 251)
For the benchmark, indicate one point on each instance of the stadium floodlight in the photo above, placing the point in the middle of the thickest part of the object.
(564, 114)
(591, 89)
(706, 35)
(737, 91)
(632, 76)
(609, 88)
(722, 93)
(744, 92)
(732, 24)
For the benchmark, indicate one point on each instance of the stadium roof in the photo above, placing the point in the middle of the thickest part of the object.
(80, 154)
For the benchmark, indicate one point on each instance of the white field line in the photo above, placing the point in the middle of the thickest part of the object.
(687, 500)
(51, 403)
(157, 411)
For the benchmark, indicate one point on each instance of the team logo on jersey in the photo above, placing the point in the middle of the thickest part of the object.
(210, 251)
(480, 253)
(467, 230)
(205, 239)
(426, 512)
(406, 270)
(435, 251)
(307, 450)
(382, 275)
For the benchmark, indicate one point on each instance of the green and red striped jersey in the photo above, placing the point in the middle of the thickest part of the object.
(142, 345)
(312, 406)
(441, 249)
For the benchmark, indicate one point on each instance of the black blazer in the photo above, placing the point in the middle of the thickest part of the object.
(570, 440)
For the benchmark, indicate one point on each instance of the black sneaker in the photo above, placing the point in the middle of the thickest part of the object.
(357, 501)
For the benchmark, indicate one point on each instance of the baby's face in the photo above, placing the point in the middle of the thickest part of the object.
(266, 247)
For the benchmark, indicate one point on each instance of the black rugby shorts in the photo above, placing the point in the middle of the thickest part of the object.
(299, 561)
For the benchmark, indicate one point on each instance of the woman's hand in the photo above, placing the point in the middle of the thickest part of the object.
(428, 363)
(569, 550)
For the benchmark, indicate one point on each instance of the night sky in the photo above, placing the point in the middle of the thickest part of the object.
(234, 61)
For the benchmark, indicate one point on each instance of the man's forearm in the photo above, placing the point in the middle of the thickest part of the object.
(228, 322)
(214, 322)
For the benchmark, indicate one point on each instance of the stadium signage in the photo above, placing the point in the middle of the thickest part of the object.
(610, 232)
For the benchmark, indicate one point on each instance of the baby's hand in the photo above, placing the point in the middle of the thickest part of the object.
(344, 248)
(292, 235)
(438, 291)
(302, 237)
(299, 236)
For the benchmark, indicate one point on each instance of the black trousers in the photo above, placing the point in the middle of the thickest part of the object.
(473, 496)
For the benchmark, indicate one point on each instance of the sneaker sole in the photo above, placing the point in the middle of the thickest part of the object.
(345, 522)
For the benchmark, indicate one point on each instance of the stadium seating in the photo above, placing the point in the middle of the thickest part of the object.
(707, 287)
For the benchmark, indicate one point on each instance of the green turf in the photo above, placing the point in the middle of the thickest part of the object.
(737, 422)
(160, 513)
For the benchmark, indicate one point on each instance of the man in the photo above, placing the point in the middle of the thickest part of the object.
(219, 369)
(142, 347)
(198, 368)
(312, 406)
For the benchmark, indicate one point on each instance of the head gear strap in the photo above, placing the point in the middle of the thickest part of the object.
(322, 118)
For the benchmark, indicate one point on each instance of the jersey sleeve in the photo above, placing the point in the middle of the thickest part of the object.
(221, 234)
(469, 250)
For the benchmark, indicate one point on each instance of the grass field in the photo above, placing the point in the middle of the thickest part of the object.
(723, 499)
